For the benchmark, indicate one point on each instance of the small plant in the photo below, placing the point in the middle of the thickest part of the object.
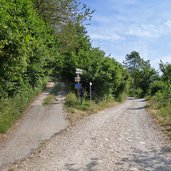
(48, 100)
(71, 100)
(77, 110)
(51, 97)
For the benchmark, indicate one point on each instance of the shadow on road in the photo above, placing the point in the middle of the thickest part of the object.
(143, 100)
(148, 160)
(136, 108)
(88, 167)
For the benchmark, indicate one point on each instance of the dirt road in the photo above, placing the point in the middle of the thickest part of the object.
(38, 124)
(122, 138)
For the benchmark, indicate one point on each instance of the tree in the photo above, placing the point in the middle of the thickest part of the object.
(60, 12)
(166, 71)
(141, 72)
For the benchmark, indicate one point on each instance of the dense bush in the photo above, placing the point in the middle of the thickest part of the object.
(71, 100)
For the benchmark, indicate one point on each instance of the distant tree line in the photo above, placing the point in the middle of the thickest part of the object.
(156, 85)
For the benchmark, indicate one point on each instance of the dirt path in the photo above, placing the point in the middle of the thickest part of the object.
(122, 138)
(38, 124)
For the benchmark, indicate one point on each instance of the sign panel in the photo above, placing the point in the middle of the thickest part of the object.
(78, 86)
(77, 79)
(79, 71)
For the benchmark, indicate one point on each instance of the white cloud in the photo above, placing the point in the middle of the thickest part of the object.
(168, 24)
(101, 19)
(143, 30)
(155, 62)
(102, 36)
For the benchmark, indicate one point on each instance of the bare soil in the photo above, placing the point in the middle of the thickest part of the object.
(121, 138)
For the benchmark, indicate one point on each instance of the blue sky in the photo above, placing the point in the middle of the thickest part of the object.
(121, 26)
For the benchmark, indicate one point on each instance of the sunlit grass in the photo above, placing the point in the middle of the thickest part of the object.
(77, 110)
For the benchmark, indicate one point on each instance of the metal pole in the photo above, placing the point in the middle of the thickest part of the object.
(90, 91)
(78, 81)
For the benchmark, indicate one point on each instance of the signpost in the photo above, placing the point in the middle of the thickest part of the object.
(90, 91)
(79, 71)
(77, 79)
(78, 85)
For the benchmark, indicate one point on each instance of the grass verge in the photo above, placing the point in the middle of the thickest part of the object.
(12, 108)
(52, 95)
(76, 110)
(162, 115)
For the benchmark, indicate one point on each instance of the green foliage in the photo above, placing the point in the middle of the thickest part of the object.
(48, 100)
(12, 108)
(24, 50)
(26, 43)
(60, 12)
(141, 72)
(166, 70)
(43, 37)
(156, 86)
(71, 100)
(163, 97)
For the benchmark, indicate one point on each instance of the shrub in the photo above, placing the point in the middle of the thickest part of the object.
(71, 100)
(156, 86)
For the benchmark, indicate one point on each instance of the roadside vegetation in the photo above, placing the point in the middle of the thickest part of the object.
(152, 84)
(41, 39)
(53, 93)
(160, 100)
(77, 109)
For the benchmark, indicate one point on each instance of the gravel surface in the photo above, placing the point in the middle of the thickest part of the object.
(38, 124)
(121, 138)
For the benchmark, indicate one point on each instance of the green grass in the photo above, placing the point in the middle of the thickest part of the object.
(162, 115)
(51, 97)
(49, 100)
(12, 108)
(76, 110)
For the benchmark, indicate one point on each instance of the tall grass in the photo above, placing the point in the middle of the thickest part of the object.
(51, 97)
(12, 108)
(77, 110)
(160, 106)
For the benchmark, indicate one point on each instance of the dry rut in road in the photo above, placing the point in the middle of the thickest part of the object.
(120, 138)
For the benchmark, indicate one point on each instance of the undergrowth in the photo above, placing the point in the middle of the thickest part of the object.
(77, 109)
(162, 114)
(12, 108)
(51, 97)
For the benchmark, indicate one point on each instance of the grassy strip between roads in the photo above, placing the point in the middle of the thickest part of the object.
(162, 115)
(76, 110)
(51, 97)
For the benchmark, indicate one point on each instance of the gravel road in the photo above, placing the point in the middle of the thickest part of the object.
(121, 138)
(38, 124)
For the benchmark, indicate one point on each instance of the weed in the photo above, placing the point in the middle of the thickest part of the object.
(76, 110)
(48, 100)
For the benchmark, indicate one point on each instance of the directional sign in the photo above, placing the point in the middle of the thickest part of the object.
(77, 79)
(79, 71)
(78, 86)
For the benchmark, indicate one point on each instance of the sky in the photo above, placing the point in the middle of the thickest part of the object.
(121, 26)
